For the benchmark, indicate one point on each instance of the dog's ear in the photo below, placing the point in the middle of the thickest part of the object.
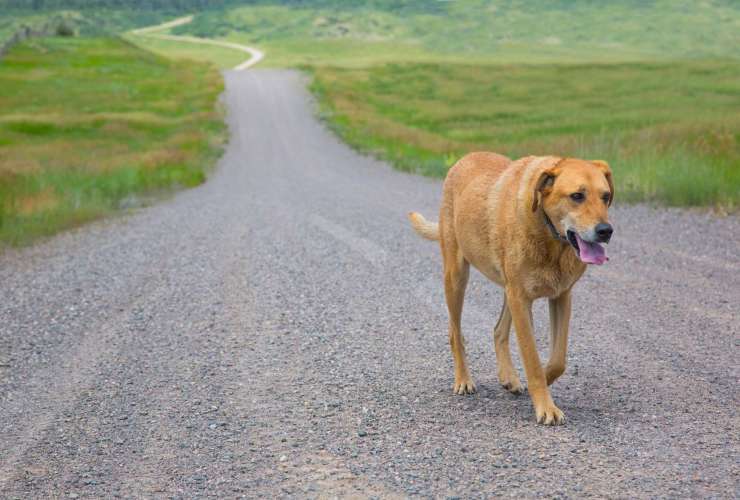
(542, 186)
(604, 167)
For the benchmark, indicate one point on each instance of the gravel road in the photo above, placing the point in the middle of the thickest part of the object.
(281, 331)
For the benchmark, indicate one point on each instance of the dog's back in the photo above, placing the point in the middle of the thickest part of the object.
(482, 167)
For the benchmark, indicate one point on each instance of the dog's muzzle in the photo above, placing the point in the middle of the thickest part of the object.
(603, 232)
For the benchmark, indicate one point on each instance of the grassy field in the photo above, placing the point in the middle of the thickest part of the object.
(88, 125)
(670, 130)
(355, 33)
(652, 87)
(221, 57)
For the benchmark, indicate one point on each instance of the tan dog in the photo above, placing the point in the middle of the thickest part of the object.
(531, 226)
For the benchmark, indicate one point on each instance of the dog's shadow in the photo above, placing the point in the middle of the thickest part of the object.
(584, 409)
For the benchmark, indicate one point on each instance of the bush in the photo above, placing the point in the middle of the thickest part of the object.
(65, 29)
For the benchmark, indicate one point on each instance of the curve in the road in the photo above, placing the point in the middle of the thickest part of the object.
(155, 32)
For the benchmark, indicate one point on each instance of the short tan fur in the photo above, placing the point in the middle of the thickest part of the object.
(493, 216)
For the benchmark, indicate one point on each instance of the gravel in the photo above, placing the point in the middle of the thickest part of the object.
(281, 331)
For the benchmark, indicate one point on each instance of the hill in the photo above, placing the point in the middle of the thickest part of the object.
(334, 32)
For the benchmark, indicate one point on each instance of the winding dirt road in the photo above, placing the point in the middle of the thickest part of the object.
(280, 331)
(255, 55)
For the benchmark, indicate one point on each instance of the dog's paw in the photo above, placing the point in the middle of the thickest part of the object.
(464, 386)
(549, 414)
(511, 383)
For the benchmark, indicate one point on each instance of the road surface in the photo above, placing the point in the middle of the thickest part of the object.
(281, 331)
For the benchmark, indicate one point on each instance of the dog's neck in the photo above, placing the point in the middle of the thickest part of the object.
(552, 228)
(553, 247)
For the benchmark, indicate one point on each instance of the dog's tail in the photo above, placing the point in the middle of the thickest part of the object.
(426, 229)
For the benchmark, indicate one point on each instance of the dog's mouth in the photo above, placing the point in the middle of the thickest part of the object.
(588, 251)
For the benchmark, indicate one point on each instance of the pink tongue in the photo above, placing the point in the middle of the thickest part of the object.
(591, 253)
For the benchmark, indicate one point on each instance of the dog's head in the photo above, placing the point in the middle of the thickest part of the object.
(575, 195)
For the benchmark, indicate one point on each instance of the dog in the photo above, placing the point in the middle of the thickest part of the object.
(531, 226)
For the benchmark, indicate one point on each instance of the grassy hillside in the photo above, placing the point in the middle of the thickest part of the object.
(98, 22)
(10, 24)
(359, 33)
(671, 130)
(88, 124)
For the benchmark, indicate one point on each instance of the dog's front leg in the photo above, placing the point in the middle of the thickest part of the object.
(521, 312)
(559, 322)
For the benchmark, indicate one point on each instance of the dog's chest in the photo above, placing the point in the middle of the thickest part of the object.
(550, 281)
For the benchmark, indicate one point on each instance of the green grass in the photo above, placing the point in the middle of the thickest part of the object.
(223, 58)
(88, 124)
(670, 130)
(89, 22)
(355, 33)
(651, 87)
(9, 25)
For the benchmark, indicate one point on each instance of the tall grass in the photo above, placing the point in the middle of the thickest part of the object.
(90, 125)
(671, 129)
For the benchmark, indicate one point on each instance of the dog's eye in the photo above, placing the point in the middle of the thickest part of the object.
(606, 198)
(577, 197)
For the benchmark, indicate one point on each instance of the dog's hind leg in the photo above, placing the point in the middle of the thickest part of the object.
(559, 322)
(456, 270)
(506, 372)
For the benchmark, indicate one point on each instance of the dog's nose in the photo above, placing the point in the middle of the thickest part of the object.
(603, 232)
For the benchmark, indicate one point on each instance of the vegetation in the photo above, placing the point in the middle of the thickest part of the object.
(150, 5)
(357, 33)
(94, 22)
(221, 57)
(88, 125)
(652, 87)
(10, 24)
(671, 130)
